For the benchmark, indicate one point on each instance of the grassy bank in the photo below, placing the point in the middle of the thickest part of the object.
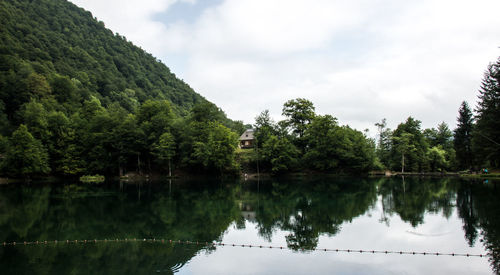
(485, 176)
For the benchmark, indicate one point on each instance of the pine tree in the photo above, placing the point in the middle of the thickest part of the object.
(486, 135)
(463, 137)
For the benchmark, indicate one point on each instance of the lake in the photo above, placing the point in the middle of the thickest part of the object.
(126, 227)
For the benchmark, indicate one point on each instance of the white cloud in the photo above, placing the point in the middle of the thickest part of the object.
(359, 60)
(134, 19)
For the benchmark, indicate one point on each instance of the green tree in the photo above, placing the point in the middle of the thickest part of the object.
(264, 127)
(299, 113)
(326, 143)
(206, 112)
(35, 117)
(63, 89)
(404, 146)
(38, 86)
(444, 136)
(442, 139)
(384, 143)
(462, 141)
(164, 150)
(437, 158)
(155, 118)
(280, 153)
(25, 155)
(126, 139)
(486, 135)
(217, 149)
(409, 147)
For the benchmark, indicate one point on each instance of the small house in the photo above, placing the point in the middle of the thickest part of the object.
(247, 139)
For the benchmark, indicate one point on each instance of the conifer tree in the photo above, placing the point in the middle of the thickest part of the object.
(486, 135)
(463, 137)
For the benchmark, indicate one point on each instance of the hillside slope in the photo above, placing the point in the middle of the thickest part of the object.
(77, 99)
(55, 37)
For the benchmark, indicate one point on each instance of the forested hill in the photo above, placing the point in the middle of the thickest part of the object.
(52, 39)
(77, 99)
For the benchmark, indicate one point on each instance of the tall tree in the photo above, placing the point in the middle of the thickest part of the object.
(409, 147)
(216, 150)
(440, 141)
(463, 137)
(300, 113)
(486, 136)
(326, 142)
(264, 127)
(280, 153)
(164, 150)
(25, 155)
(404, 146)
(384, 143)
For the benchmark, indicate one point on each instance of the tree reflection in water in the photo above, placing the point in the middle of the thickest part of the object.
(204, 210)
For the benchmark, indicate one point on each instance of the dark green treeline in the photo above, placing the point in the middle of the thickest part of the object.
(77, 99)
(305, 140)
(473, 145)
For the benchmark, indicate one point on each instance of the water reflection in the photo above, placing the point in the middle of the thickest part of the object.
(304, 210)
(308, 209)
(478, 205)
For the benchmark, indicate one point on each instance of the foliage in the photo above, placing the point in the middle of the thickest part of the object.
(264, 128)
(486, 134)
(25, 155)
(299, 113)
(280, 153)
(217, 149)
(437, 158)
(463, 137)
(55, 49)
(409, 147)
(92, 179)
(164, 149)
(384, 143)
(440, 142)
(326, 146)
(91, 101)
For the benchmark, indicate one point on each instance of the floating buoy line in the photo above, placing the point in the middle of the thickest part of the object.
(220, 244)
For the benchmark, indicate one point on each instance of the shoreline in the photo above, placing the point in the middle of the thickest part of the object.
(255, 176)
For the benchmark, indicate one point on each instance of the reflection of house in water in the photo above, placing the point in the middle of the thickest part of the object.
(247, 212)
(247, 139)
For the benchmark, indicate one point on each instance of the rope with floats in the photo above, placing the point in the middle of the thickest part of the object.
(220, 244)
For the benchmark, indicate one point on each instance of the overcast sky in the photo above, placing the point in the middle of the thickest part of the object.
(358, 60)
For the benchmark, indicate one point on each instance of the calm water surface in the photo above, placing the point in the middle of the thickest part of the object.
(432, 215)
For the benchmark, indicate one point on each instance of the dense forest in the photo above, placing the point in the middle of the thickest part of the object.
(473, 145)
(305, 140)
(76, 99)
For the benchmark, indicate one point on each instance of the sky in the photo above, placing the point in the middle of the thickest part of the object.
(358, 60)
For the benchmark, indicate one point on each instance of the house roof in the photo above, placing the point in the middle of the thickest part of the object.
(247, 135)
